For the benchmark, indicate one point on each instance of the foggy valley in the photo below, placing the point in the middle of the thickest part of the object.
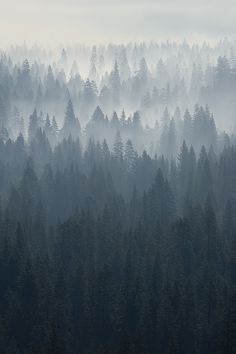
(117, 178)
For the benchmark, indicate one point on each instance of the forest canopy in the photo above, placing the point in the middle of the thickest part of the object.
(118, 199)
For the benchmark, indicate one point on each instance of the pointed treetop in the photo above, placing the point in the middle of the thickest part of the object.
(98, 115)
(70, 115)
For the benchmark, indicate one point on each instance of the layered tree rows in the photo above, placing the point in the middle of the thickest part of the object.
(118, 200)
(104, 250)
(143, 77)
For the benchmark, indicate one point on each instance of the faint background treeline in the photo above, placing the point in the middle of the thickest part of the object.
(146, 77)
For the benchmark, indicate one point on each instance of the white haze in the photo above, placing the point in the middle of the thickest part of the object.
(50, 22)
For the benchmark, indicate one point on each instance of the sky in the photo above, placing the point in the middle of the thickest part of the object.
(53, 22)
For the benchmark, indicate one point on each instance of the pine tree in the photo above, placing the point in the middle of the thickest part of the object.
(71, 124)
(129, 156)
(118, 147)
(33, 125)
(115, 86)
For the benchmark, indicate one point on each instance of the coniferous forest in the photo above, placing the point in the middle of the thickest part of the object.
(118, 199)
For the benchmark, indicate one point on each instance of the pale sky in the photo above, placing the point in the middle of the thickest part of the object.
(68, 21)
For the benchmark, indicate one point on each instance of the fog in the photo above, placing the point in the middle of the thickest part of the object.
(117, 176)
(69, 21)
(145, 91)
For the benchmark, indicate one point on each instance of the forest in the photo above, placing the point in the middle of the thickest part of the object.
(118, 199)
